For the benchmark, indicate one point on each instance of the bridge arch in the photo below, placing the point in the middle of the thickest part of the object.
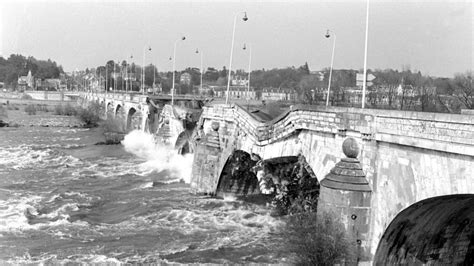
(102, 107)
(237, 177)
(133, 119)
(110, 110)
(437, 230)
(118, 110)
(182, 143)
(291, 176)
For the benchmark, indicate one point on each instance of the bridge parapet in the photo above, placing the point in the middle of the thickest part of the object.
(444, 132)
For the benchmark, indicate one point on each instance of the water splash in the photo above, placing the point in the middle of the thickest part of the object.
(159, 157)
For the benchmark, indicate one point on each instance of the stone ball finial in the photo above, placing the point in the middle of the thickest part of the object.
(350, 148)
(215, 126)
(167, 121)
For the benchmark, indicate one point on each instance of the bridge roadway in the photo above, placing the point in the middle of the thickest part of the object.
(419, 207)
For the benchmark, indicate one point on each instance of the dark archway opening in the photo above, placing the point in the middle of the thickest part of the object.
(131, 112)
(435, 231)
(110, 111)
(292, 183)
(237, 177)
(118, 111)
(182, 143)
(288, 182)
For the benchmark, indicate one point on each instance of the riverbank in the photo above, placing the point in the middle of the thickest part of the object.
(16, 115)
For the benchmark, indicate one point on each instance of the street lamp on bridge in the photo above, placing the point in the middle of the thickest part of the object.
(364, 86)
(332, 61)
(202, 53)
(174, 65)
(248, 82)
(143, 69)
(129, 76)
(245, 18)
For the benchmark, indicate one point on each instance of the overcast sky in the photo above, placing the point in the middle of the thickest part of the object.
(435, 37)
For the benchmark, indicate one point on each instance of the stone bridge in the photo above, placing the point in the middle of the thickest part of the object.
(132, 111)
(413, 202)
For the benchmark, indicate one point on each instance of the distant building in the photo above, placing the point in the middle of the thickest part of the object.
(318, 74)
(235, 92)
(239, 80)
(26, 82)
(279, 94)
(185, 78)
(205, 90)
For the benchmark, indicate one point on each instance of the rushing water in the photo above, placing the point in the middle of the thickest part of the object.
(65, 200)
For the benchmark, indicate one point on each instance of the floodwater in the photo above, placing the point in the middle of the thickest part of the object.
(65, 200)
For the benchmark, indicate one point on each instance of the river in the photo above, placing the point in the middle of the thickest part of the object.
(64, 199)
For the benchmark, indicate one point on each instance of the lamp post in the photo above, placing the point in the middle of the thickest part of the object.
(364, 86)
(143, 69)
(245, 18)
(202, 53)
(174, 65)
(122, 75)
(154, 77)
(248, 83)
(106, 79)
(115, 79)
(130, 76)
(332, 61)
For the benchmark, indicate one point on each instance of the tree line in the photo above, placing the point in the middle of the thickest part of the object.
(18, 65)
(393, 89)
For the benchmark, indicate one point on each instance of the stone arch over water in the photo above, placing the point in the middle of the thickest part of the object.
(433, 231)
(102, 108)
(288, 177)
(237, 177)
(118, 111)
(132, 119)
(182, 143)
(120, 117)
(110, 110)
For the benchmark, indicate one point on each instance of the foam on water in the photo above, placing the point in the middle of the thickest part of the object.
(113, 207)
(159, 157)
(20, 213)
(16, 215)
(27, 157)
(81, 259)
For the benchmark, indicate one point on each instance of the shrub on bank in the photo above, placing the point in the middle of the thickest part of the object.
(317, 239)
(30, 109)
(26, 97)
(13, 107)
(113, 125)
(58, 110)
(70, 110)
(42, 108)
(3, 112)
(88, 116)
(67, 109)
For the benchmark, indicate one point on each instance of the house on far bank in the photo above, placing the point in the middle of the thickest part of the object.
(26, 82)
(239, 80)
(185, 78)
(235, 92)
(48, 84)
(205, 90)
(279, 94)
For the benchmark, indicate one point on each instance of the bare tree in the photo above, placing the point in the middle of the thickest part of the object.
(462, 84)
